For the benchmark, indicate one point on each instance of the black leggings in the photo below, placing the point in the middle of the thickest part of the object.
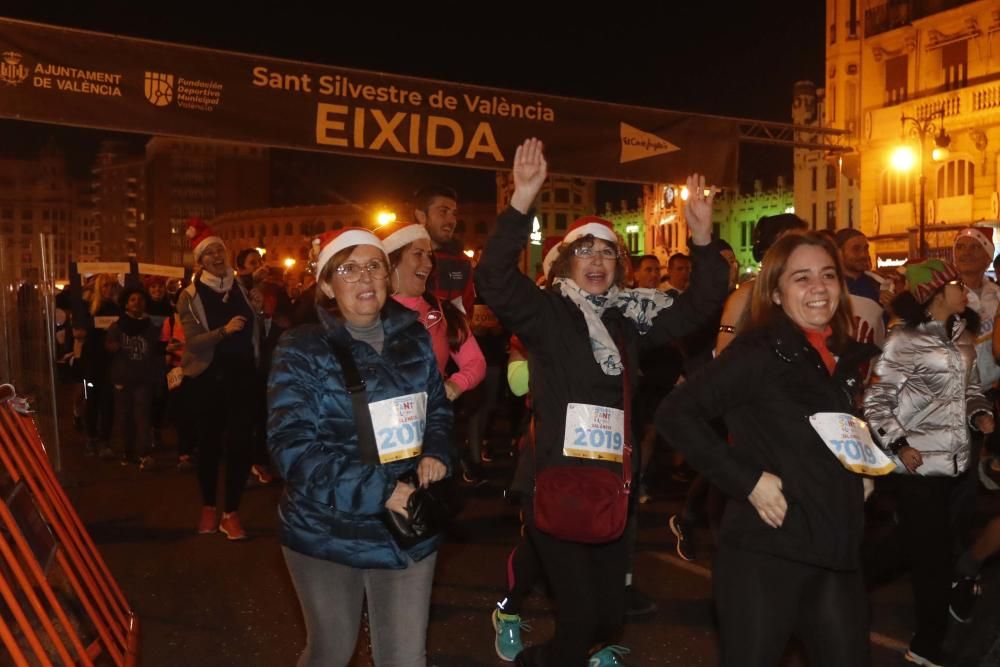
(524, 570)
(588, 581)
(218, 404)
(763, 601)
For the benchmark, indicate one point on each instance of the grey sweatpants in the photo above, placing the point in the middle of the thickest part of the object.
(332, 596)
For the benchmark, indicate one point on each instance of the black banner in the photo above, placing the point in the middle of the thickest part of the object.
(73, 77)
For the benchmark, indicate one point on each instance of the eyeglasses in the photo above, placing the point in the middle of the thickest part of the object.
(351, 272)
(588, 251)
(431, 318)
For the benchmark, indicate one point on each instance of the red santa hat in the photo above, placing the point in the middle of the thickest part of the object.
(395, 235)
(201, 236)
(593, 226)
(981, 235)
(330, 243)
(550, 247)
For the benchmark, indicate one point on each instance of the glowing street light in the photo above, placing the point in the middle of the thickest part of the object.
(903, 159)
(385, 217)
(289, 262)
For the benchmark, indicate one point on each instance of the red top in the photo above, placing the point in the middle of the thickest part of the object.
(818, 340)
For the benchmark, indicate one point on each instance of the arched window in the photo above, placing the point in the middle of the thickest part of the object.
(289, 230)
(955, 178)
(896, 187)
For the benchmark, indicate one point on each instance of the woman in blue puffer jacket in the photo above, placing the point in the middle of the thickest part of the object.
(335, 543)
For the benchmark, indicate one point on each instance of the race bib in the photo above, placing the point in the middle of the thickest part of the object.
(594, 432)
(848, 439)
(483, 317)
(399, 426)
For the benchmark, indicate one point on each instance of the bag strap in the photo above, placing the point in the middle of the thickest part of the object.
(355, 386)
(627, 405)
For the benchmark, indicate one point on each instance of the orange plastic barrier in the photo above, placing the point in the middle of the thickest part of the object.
(63, 607)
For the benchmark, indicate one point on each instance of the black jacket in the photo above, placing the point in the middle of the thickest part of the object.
(765, 385)
(554, 332)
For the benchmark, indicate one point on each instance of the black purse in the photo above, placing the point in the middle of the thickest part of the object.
(429, 509)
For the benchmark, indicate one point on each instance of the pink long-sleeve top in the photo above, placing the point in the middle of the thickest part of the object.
(469, 358)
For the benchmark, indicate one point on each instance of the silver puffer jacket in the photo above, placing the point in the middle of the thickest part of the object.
(926, 388)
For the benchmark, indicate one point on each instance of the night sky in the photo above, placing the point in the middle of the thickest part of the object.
(733, 59)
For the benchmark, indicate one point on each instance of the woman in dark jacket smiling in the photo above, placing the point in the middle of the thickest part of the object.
(788, 562)
(582, 335)
(336, 546)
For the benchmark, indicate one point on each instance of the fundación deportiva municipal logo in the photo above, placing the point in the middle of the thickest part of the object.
(159, 88)
(12, 72)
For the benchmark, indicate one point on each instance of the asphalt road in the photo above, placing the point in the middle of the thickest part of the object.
(203, 600)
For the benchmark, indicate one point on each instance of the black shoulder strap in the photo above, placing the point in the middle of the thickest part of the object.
(359, 399)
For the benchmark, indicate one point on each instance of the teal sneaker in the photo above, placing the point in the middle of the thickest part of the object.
(609, 656)
(508, 628)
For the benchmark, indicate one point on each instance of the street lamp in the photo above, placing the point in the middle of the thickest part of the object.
(903, 159)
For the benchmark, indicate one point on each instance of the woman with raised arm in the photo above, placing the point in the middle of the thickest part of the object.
(583, 335)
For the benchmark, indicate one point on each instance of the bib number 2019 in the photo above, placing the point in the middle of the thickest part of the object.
(596, 438)
(399, 436)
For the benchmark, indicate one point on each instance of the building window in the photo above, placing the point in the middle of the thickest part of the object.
(850, 212)
(813, 220)
(577, 199)
(7, 214)
(896, 187)
(274, 230)
(289, 229)
(955, 62)
(831, 215)
(562, 196)
(956, 178)
(896, 73)
(545, 221)
(27, 214)
(814, 179)
(545, 197)
(561, 221)
(831, 177)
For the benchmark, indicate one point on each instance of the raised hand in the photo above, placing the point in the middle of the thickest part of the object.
(530, 171)
(698, 209)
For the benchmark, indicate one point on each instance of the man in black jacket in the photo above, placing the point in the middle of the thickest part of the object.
(436, 208)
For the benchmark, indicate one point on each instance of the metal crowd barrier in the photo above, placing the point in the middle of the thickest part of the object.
(62, 606)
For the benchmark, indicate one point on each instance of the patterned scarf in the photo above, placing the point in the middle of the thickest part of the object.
(639, 305)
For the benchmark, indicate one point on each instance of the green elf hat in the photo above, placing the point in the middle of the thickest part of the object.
(926, 277)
